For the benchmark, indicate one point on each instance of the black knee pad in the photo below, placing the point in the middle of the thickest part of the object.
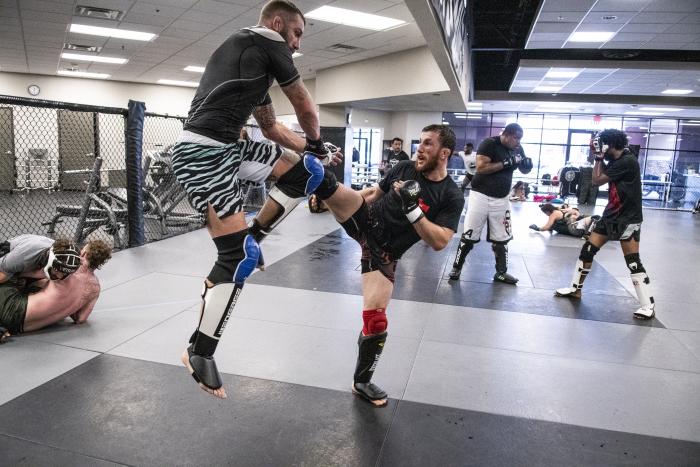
(238, 255)
(328, 185)
(634, 264)
(293, 182)
(588, 251)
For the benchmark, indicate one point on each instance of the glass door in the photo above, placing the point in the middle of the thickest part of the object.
(578, 150)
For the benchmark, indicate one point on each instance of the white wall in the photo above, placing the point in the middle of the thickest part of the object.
(404, 73)
(172, 100)
(408, 125)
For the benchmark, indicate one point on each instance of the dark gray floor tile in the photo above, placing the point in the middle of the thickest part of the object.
(18, 452)
(496, 296)
(143, 413)
(424, 435)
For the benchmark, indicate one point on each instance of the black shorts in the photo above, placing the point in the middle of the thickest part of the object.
(13, 307)
(618, 230)
(368, 230)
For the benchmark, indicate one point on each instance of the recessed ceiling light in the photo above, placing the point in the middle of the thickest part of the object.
(661, 109)
(82, 74)
(173, 82)
(678, 92)
(561, 74)
(354, 18)
(93, 58)
(111, 32)
(591, 36)
(195, 69)
(651, 114)
(547, 89)
(297, 54)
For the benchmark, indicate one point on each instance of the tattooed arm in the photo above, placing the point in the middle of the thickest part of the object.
(304, 107)
(275, 131)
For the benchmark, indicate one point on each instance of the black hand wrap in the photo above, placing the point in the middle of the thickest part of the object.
(526, 165)
(315, 146)
(409, 194)
(534, 227)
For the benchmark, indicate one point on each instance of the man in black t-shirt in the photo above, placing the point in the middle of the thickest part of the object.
(621, 220)
(210, 162)
(393, 155)
(415, 200)
(496, 159)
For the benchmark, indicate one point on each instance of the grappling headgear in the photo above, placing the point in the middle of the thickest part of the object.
(63, 259)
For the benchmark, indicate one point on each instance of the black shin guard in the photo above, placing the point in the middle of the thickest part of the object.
(465, 246)
(369, 350)
(500, 251)
(634, 263)
(328, 185)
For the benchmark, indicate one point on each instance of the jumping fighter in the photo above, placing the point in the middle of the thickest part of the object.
(210, 162)
(496, 160)
(415, 200)
(621, 220)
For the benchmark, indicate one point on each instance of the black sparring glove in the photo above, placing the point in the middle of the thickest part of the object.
(526, 165)
(599, 148)
(409, 194)
(315, 146)
(512, 161)
(534, 227)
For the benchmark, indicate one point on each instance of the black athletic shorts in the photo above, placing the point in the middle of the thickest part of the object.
(13, 307)
(618, 231)
(368, 230)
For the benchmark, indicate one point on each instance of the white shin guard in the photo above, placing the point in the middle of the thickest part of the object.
(580, 274)
(287, 205)
(219, 302)
(640, 280)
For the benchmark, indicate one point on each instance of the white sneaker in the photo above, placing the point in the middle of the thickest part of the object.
(567, 292)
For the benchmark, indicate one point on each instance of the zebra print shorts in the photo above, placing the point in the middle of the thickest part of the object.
(213, 174)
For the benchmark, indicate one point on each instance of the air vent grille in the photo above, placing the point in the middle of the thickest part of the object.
(100, 13)
(82, 48)
(343, 48)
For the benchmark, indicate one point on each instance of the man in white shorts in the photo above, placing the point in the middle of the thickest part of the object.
(496, 159)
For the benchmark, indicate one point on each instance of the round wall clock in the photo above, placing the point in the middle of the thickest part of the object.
(33, 89)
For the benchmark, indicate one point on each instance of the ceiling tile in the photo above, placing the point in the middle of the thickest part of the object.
(645, 27)
(620, 17)
(618, 5)
(567, 5)
(561, 16)
(683, 6)
(660, 17)
(41, 5)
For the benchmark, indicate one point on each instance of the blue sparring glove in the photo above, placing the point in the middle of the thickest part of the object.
(512, 161)
(409, 194)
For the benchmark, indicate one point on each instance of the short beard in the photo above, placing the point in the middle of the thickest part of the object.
(428, 165)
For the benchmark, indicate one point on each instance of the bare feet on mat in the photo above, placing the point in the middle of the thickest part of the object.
(220, 392)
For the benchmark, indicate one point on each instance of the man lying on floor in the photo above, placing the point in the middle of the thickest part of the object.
(27, 305)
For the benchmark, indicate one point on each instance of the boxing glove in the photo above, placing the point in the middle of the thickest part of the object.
(512, 161)
(409, 194)
(526, 165)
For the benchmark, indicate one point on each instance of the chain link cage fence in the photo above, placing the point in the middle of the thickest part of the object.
(63, 173)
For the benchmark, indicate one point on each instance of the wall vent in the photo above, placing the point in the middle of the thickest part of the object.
(99, 13)
(343, 48)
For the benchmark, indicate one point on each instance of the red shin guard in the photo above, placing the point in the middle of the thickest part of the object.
(375, 321)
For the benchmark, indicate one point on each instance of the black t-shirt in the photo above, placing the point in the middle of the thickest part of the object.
(497, 184)
(236, 80)
(625, 190)
(442, 203)
(392, 158)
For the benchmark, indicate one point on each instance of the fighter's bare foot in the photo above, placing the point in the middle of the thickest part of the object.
(220, 392)
(371, 393)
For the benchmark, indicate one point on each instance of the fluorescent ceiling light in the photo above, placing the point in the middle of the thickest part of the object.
(196, 69)
(111, 32)
(173, 82)
(461, 116)
(93, 58)
(82, 74)
(474, 116)
(677, 92)
(354, 18)
(546, 89)
(661, 109)
(635, 112)
(297, 54)
(591, 36)
(561, 74)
